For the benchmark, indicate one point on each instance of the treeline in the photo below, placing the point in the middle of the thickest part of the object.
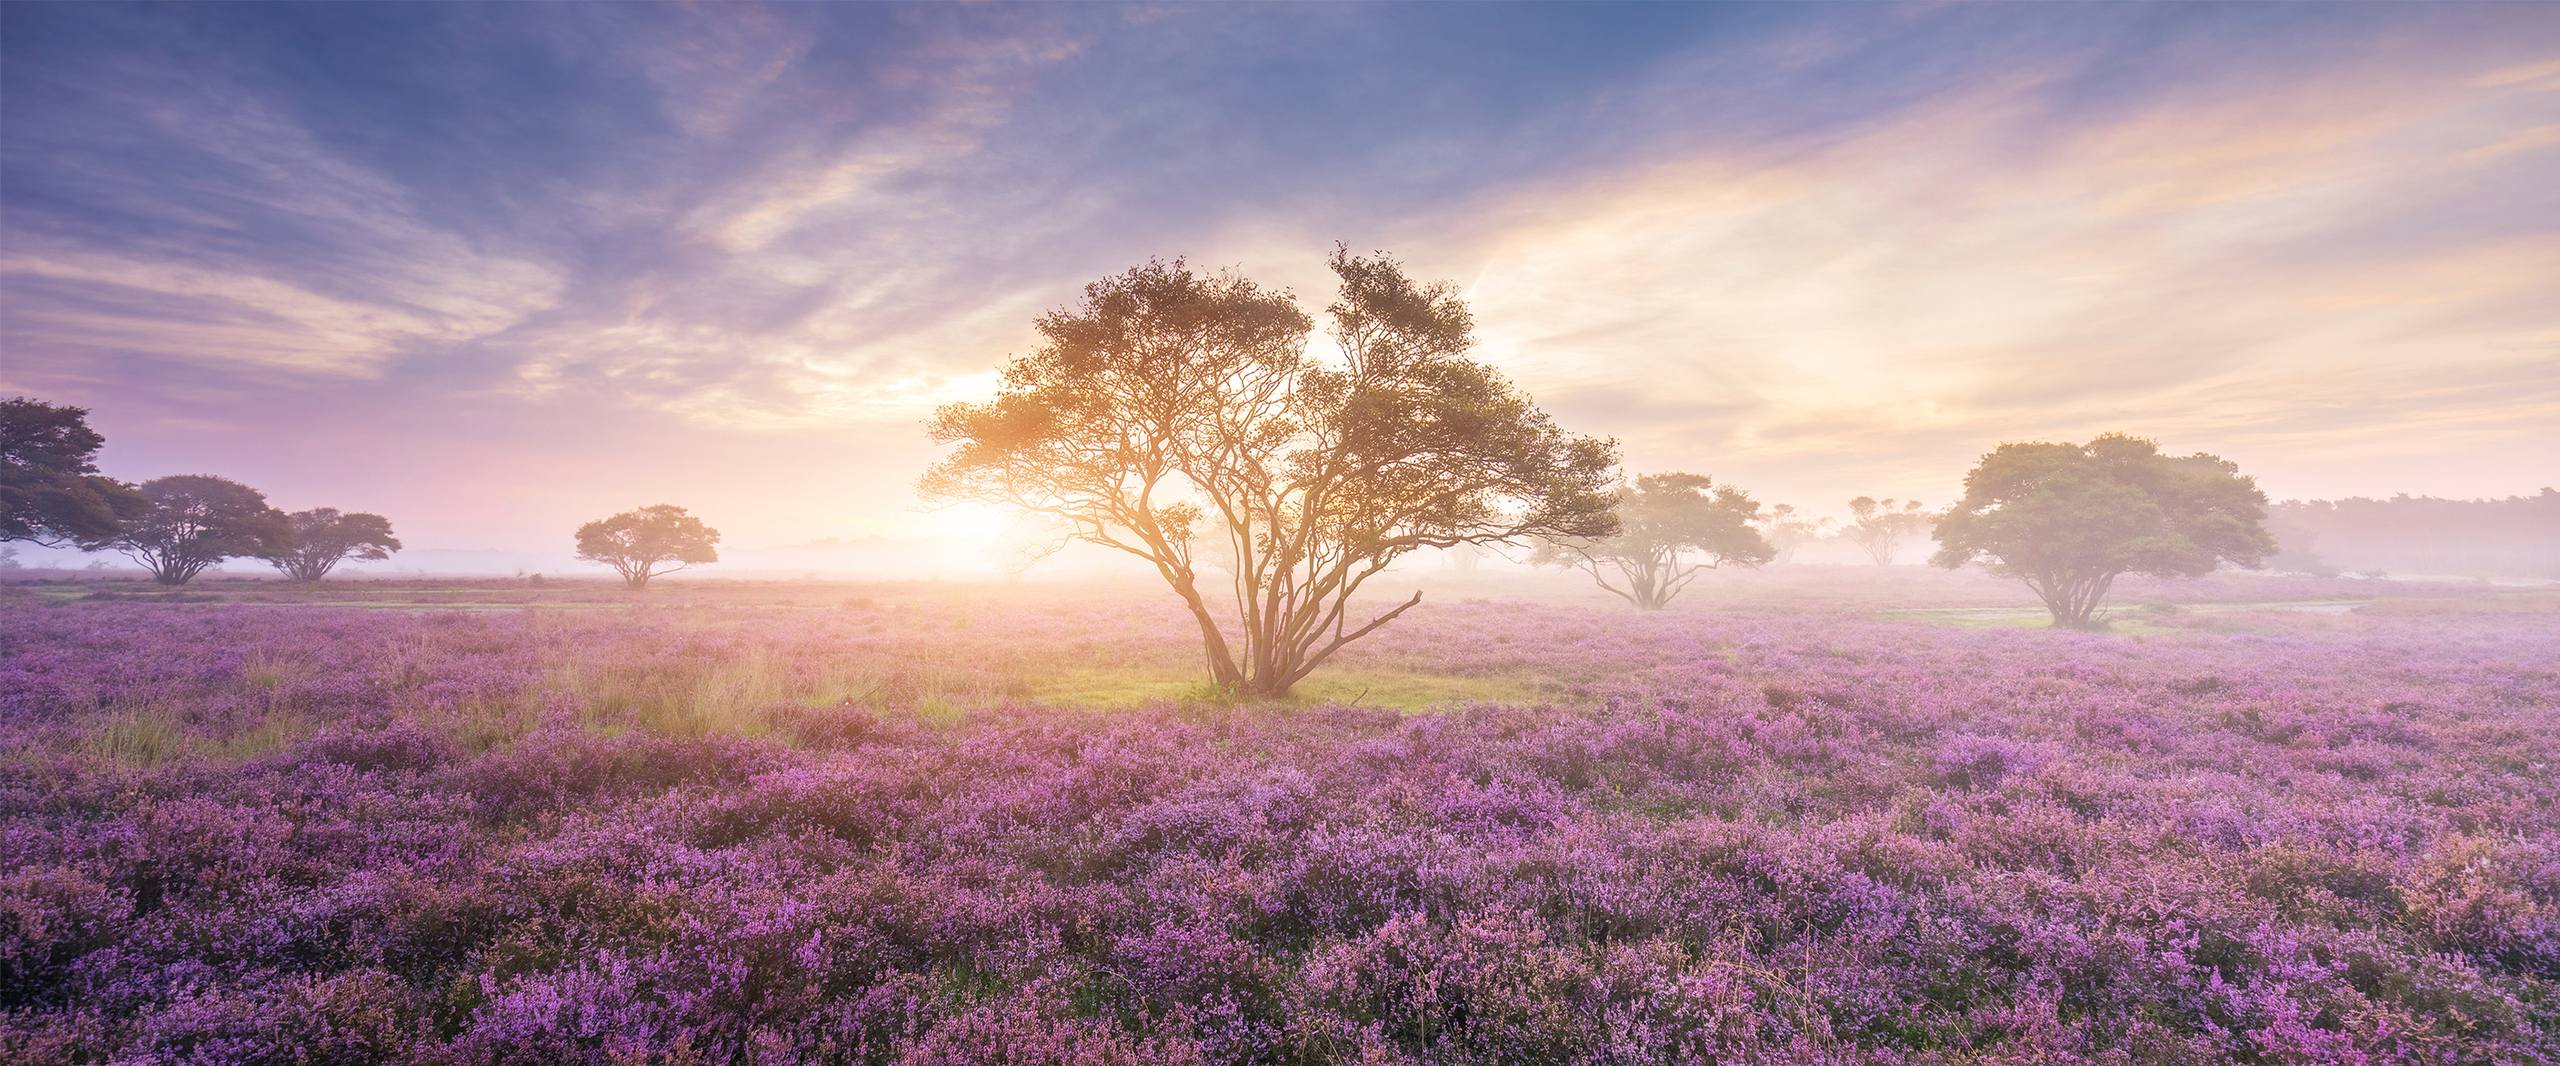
(178, 527)
(2518, 536)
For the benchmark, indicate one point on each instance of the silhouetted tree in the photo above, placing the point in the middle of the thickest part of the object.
(1672, 527)
(639, 544)
(192, 522)
(1172, 411)
(1788, 531)
(50, 491)
(1880, 528)
(2068, 518)
(315, 541)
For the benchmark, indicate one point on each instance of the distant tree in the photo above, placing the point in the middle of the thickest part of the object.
(2514, 536)
(192, 522)
(2297, 541)
(315, 541)
(639, 544)
(1880, 528)
(9, 559)
(1177, 417)
(1788, 531)
(1672, 527)
(50, 491)
(2068, 518)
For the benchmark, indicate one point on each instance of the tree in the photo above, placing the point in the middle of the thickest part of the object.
(1672, 527)
(315, 541)
(194, 521)
(50, 491)
(1788, 531)
(1879, 527)
(1177, 417)
(639, 544)
(2068, 518)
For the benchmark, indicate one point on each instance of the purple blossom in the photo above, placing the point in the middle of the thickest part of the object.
(252, 834)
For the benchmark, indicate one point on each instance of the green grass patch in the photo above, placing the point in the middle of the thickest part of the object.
(145, 737)
(137, 739)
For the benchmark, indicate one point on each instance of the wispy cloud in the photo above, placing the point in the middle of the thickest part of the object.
(1816, 251)
(238, 241)
(2277, 272)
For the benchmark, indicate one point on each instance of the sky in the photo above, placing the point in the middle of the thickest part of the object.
(496, 270)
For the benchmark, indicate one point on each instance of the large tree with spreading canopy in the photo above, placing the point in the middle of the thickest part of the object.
(2067, 519)
(1673, 527)
(190, 523)
(314, 542)
(50, 490)
(1178, 417)
(646, 543)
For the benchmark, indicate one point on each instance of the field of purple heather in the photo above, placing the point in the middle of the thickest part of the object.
(452, 823)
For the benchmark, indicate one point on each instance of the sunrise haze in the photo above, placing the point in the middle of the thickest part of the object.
(495, 271)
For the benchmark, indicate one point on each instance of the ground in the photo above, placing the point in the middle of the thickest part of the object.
(1842, 814)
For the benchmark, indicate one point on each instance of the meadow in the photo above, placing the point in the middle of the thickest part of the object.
(1827, 815)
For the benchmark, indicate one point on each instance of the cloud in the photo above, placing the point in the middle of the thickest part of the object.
(1813, 251)
(251, 246)
(2288, 266)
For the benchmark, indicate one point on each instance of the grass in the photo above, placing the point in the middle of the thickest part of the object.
(742, 694)
(143, 737)
(138, 739)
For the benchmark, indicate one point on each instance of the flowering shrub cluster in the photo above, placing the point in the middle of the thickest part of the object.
(299, 834)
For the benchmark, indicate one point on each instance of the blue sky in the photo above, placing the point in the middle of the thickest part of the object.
(496, 269)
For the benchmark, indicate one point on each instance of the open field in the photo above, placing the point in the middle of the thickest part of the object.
(1834, 815)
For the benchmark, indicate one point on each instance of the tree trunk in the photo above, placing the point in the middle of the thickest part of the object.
(2072, 600)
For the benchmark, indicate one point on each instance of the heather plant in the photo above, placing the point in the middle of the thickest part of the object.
(1729, 836)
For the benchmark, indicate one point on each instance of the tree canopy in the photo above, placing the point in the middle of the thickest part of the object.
(1880, 526)
(642, 544)
(314, 542)
(1672, 527)
(192, 521)
(2069, 518)
(1788, 531)
(50, 490)
(1173, 410)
